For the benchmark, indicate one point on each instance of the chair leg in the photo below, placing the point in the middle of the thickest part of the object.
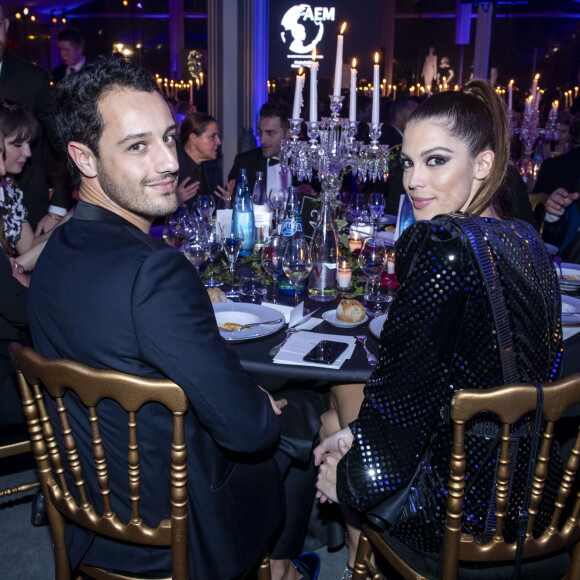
(363, 554)
(574, 573)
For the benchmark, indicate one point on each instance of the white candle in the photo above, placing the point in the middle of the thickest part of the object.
(338, 65)
(191, 92)
(376, 93)
(343, 274)
(528, 105)
(354, 242)
(510, 95)
(352, 105)
(298, 94)
(535, 85)
(394, 92)
(554, 110)
(313, 90)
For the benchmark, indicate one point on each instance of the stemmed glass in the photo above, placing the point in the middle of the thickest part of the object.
(215, 236)
(232, 246)
(175, 230)
(205, 205)
(372, 260)
(376, 205)
(356, 206)
(271, 254)
(296, 262)
(276, 199)
(197, 247)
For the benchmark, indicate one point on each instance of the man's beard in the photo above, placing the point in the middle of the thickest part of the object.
(136, 200)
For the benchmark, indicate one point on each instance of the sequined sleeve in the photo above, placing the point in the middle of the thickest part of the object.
(405, 393)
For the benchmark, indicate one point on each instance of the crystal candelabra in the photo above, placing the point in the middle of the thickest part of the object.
(530, 131)
(332, 150)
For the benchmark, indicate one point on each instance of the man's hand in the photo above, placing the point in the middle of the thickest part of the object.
(337, 446)
(277, 406)
(559, 200)
(186, 190)
(227, 192)
(47, 223)
(326, 481)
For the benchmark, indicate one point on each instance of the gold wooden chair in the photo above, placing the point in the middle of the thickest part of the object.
(508, 403)
(91, 386)
(10, 450)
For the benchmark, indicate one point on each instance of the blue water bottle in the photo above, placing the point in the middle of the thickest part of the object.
(243, 215)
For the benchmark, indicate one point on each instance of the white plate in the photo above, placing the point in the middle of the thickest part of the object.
(330, 317)
(241, 313)
(570, 276)
(570, 310)
(389, 237)
(387, 219)
(376, 325)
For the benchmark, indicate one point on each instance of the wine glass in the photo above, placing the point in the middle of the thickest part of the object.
(232, 246)
(197, 247)
(296, 262)
(271, 254)
(376, 205)
(205, 205)
(371, 260)
(356, 206)
(175, 230)
(276, 199)
(215, 236)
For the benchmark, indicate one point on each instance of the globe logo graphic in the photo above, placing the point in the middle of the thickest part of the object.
(300, 32)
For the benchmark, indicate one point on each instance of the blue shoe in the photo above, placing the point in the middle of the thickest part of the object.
(308, 564)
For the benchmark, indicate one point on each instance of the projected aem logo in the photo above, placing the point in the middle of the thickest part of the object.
(303, 27)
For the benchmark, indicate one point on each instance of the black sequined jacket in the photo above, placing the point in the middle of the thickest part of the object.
(439, 338)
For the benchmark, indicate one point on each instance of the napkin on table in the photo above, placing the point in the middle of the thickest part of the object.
(295, 316)
(301, 343)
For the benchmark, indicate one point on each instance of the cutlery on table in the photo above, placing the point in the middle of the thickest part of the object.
(370, 356)
(252, 324)
(275, 349)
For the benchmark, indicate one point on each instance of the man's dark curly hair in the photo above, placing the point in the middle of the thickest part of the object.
(281, 110)
(76, 111)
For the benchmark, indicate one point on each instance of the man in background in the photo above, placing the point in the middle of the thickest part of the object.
(27, 84)
(71, 45)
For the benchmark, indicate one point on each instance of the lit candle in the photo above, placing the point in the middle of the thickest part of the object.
(298, 94)
(191, 92)
(528, 105)
(394, 92)
(201, 78)
(575, 92)
(354, 242)
(554, 110)
(511, 95)
(384, 88)
(352, 106)
(313, 89)
(338, 65)
(376, 93)
(343, 273)
(535, 84)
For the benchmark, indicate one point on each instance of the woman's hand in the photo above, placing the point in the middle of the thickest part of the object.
(337, 446)
(226, 193)
(18, 272)
(185, 192)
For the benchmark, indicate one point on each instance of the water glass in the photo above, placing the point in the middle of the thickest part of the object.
(376, 206)
(271, 260)
(377, 297)
(205, 205)
(296, 262)
(197, 247)
(175, 230)
(252, 288)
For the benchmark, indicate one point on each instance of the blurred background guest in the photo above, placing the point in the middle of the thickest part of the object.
(71, 45)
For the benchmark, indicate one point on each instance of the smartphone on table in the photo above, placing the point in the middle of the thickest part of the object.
(326, 352)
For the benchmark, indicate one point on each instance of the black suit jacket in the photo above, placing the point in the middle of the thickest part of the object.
(252, 161)
(59, 72)
(28, 85)
(211, 176)
(108, 295)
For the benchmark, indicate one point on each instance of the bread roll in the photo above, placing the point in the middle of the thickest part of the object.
(216, 295)
(350, 311)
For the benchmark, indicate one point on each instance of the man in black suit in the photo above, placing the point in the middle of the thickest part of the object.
(559, 177)
(24, 83)
(273, 126)
(110, 296)
(71, 45)
(399, 113)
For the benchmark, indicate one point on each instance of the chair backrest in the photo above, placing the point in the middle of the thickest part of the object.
(36, 375)
(509, 403)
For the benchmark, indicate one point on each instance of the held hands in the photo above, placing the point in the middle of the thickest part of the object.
(326, 456)
(559, 200)
(186, 190)
(47, 223)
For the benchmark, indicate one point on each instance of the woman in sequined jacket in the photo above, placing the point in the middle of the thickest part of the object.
(440, 335)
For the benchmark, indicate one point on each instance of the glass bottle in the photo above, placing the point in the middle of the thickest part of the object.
(324, 252)
(259, 193)
(291, 227)
(243, 214)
